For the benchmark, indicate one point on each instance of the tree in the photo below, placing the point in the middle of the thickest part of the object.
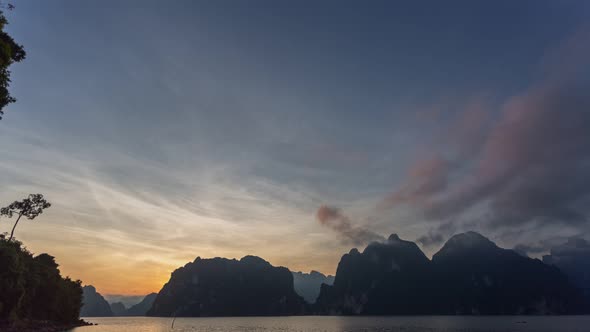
(29, 207)
(32, 289)
(10, 52)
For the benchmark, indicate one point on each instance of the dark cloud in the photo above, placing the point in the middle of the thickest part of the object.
(333, 218)
(437, 235)
(526, 250)
(573, 249)
(532, 165)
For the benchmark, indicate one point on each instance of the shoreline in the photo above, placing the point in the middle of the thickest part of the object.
(41, 326)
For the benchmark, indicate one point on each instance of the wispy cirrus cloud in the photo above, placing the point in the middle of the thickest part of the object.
(119, 215)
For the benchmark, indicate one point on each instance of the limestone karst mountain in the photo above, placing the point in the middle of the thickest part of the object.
(227, 287)
(469, 275)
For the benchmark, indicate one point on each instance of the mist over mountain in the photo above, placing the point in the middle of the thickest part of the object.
(469, 275)
(573, 258)
(308, 284)
(228, 287)
(93, 304)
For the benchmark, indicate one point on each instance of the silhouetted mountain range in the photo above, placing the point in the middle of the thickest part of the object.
(93, 304)
(308, 284)
(224, 287)
(127, 300)
(138, 309)
(469, 275)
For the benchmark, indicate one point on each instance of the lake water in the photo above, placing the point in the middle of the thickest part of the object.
(342, 324)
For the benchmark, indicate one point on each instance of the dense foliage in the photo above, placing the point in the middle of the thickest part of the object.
(31, 287)
(10, 52)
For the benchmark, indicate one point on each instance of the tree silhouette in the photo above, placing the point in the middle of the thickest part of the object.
(10, 52)
(29, 207)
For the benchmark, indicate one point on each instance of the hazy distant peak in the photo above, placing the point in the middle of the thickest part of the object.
(118, 308)
(141, 308)
(314, 272)
(118, 304)
(308, 284)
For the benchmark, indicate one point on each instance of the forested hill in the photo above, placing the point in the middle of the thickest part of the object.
(32, 289)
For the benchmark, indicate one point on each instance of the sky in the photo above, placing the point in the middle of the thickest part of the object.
(293, 130)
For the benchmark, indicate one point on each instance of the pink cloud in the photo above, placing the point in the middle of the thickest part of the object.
(334, 219)
(532, 163)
